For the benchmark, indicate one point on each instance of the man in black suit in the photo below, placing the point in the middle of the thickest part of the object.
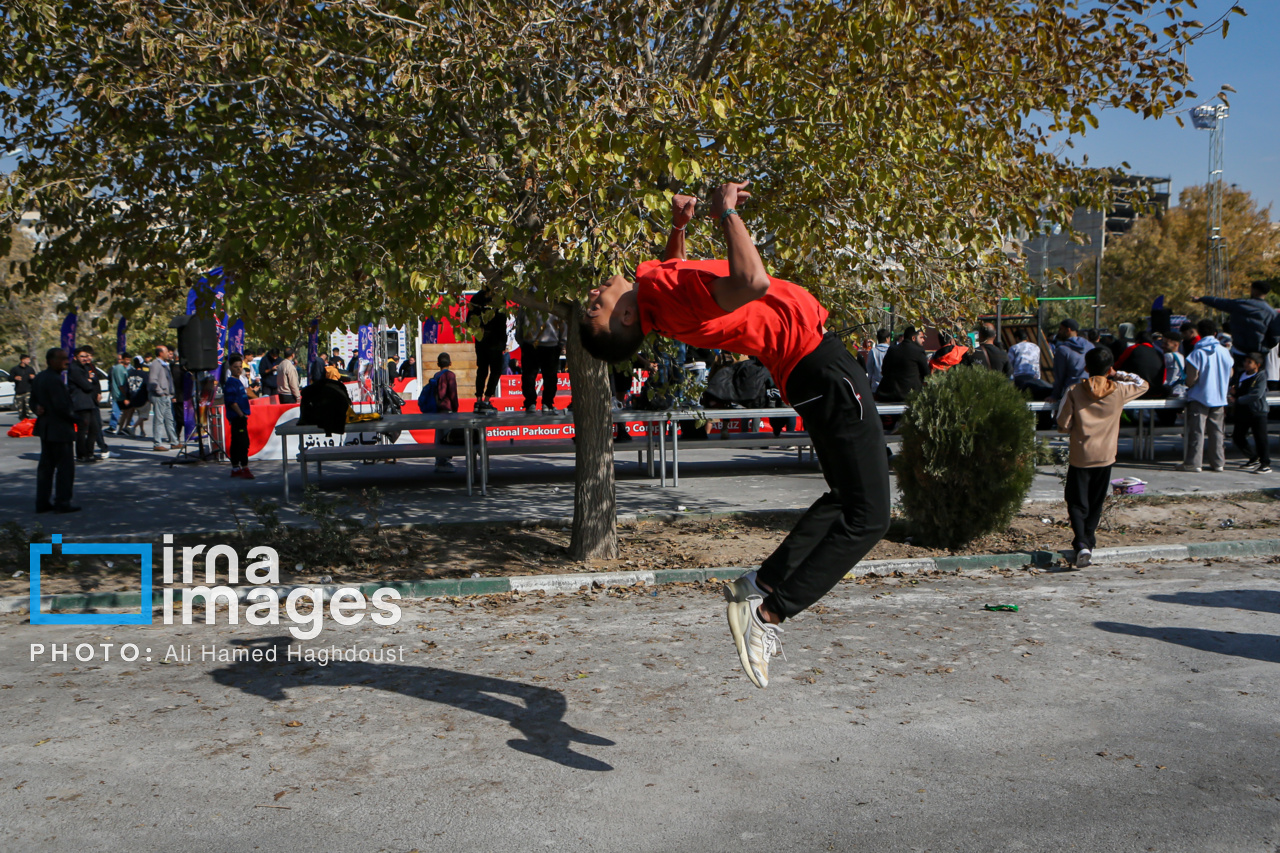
(85, 390)
(56, 426)
(904, 369)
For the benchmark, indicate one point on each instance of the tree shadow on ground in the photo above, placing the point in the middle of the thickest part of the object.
(540, 719)
(1262, 647)
(1259, 600)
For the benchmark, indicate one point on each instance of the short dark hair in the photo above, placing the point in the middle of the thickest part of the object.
(288, 352)
(444, 359)
(85, 348)
(1070, 323)
(986, 332)
(882, 335)
(236, 358)
(1143, 337)
(1187, 326)
(21, 357)
(1263, 287)
(909, 332)
(1257, 358)
(1207, 328)
(1098, 361)
(609, 345)
(1021, 335)
(52, 353)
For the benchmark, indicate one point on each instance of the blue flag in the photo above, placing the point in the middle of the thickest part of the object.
(121, 349)
(68, 337)
(235, 337)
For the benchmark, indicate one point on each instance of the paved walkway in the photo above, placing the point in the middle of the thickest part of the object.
(1114, 711)
(136, 492)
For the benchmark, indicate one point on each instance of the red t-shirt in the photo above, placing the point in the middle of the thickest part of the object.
(780, 328)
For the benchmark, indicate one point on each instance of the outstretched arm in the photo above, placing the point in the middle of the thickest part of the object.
(747, 280)
(682, 207)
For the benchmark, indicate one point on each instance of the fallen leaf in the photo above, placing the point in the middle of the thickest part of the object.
(293, 724)
(278, 795)
(46, 740)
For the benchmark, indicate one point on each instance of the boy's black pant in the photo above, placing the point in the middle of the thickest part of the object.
(535, 360)
(239, 450)
(488, 369)
(1085, 493)
(831, 392)
(1248, 422)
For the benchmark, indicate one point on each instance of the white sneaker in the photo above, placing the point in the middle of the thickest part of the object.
(1083, 558)
(756, 641)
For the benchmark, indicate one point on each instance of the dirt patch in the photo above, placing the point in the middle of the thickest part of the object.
(494, 550)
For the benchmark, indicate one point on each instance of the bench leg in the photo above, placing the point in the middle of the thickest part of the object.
(484, 461)
(284, 464)
(302, 460)
(662, 453)
(471, 461)
(675, 454)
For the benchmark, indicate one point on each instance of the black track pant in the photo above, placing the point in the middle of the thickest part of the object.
(535, 360)
(56, 458)
(1085, 494)
(239, 450)
(488, 370)
(84, 433)
(1247, 422)
(831, 392)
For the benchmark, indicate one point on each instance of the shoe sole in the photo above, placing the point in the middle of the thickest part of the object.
(1084, 562)
(736, 610)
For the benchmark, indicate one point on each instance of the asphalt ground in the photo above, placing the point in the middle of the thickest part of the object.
(1122, 708)
(134, 492)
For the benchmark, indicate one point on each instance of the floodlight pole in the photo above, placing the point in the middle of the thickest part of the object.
(1213, 119)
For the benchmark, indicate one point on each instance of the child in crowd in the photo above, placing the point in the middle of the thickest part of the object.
(236, 400)
(1250, 398)
(446, 401)
(1090, 414)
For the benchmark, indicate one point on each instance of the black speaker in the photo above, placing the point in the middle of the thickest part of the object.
(197, 342)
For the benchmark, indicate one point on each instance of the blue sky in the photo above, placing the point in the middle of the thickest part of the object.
(1247, 59)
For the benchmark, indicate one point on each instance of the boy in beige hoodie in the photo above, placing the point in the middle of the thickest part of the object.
(1090, 414)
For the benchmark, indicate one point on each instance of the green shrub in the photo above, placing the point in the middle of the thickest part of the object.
(968, 456)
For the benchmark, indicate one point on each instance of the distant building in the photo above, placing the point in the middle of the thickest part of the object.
(1053, 251)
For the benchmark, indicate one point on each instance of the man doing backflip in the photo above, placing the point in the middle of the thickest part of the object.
(734, 305)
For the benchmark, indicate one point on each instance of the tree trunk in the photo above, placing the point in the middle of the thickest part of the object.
(595, 530)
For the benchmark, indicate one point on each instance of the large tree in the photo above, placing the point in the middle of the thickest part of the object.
(368, 157)
(1166, 255)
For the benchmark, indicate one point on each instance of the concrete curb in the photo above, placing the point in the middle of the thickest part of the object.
(455, 587)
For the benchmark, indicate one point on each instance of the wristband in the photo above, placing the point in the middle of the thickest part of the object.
(728, 212)
(679, 228)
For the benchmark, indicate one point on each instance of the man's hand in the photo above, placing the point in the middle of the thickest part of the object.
(682, 209)
(729, 195)
(1197, 299)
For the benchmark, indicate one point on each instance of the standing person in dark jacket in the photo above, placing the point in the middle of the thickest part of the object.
(904, 369)
(1068, 359)
(85, 391)
(23, 375)
(1255, 326)
(1144, 360)
(491, 345)
(1251, 408)
(56, 426)
(269, 372)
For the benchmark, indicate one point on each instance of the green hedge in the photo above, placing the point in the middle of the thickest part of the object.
(968, 456)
